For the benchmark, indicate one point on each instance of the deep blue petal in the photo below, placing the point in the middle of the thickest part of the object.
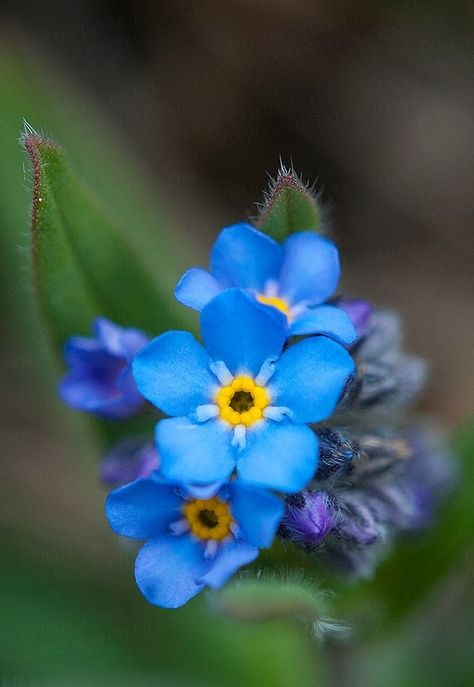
(310, 269)
(280, 456)
(173, 373)
(232, 555)
(241, 332)
(327, 320)
(242, 256)
(310, 377)
(200, 453)
(196, 288)
(167, 568)
(256, 512)
(143, 508)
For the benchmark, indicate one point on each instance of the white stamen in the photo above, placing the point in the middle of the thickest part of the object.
(234, 528)
(211, 548)
(179, 526)
(239, 439)
(277, 413)
(205, 412)
(222, 373)
(266, 372)
(271, 289)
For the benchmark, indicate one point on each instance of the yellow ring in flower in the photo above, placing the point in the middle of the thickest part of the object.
(242, 402)
(208, 518)
(278, 303)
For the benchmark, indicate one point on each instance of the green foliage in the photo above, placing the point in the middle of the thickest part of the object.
(289, 206)
(67, 621)
(82, 264)
(270, 596)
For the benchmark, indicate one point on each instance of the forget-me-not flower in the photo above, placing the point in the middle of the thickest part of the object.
(193, 540)
(240, 401)
(99, 379)
(296, 277)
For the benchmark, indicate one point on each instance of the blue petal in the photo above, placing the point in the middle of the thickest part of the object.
(196, 288)
(142, 509)
(310, 269)
(200, 453)
(167, 569)
(244, 257)
(310, 377)
(231, 556)
(241, 332)
(256, 512)
(118, 340)
(173, 373)
(280, 456)
(327, 320)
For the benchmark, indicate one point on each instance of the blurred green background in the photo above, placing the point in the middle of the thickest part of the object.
(173, 114)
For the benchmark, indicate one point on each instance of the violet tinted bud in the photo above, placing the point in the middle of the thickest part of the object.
(99, 378)
(359, 311)
(309, 518)
(127, 461)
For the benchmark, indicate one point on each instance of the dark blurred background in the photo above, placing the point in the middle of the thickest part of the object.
(372, 100)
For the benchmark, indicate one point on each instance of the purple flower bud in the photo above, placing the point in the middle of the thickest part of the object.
(99, 379)
(309, 517)
(127, 461)
(359, 312)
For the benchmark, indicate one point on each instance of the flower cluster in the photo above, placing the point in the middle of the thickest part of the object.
(273, 421)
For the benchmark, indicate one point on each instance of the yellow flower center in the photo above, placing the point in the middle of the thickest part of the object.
(278, 303)
(208, 518)
(242, 402)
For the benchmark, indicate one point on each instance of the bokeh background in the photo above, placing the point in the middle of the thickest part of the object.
(195, 103)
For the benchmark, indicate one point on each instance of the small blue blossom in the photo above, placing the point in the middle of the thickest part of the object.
(128, 460)
(241, 401)
(193, 540)
(99, 379)
(296, 278)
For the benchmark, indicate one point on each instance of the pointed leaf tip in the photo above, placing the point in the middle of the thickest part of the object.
(289, 205)
(82, 263)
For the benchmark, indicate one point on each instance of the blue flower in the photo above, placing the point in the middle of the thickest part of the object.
(240, 401)
(99, 379)
(296, 278)
(193, 540)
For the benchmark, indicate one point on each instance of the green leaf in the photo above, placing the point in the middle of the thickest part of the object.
(67, 621)
(83, 265)
(36, 90)
(289, 206)
(279, 596)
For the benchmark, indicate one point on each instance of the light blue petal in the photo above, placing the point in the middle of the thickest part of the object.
(280, 456)
(143, 508)
(194, 453)
(327, 320)
(119, 341)
(243, 256)
(241, 332)
(256, 512)
(167, 569)
(196, 288)
(231, 556)
(310, 271)
(173, 373)
(310, 378)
